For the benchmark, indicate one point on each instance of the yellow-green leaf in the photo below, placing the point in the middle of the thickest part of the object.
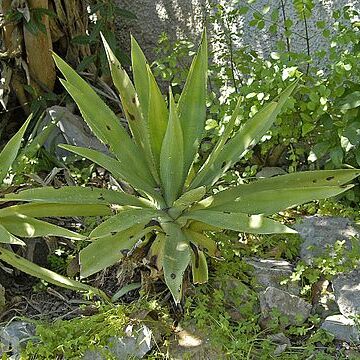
(123, 220)
(9, 152)
(49, 276)
(157, 117)
(106, 251)
(7, 238)
(254, 224)
(172, 158)
(77, 195)
(176, 259)
(302, 180)
(24, 226)
(199, 267)
(119, 169)
(192, 105)
(37, 210)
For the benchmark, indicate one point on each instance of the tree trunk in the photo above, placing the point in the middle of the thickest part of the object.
(38, 52)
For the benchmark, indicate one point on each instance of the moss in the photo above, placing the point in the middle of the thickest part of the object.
(69, 339)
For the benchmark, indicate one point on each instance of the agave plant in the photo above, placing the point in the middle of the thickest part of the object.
(20, 221)
(173, 203)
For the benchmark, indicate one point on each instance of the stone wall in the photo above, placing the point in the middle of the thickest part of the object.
(184, 18)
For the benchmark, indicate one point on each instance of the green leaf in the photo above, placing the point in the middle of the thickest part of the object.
(254, 224)
(157, 117)
(190, 197)
(9, 152)
(77, 195)
(118, 169)
(272, 201)
(24, 226)
(247, 137)
(37, 210)
(177, 256)
(192, 105)
(49, 276)
(199, 267)
(350, 101)
(172, 157)
(203, 242)
(129, 100)
(106, 251)
(7, 238)
(156, 252)
(123, 220)
(124, 290)
(301, 180)
(103, 122)
(140, 74)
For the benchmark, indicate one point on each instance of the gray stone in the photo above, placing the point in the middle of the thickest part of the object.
(321, 233)
(270, 273)
(134, 345)
(281, 341)
(14, 336)
(347, 292)
(70, 129)
(342, 328)
(294, 308)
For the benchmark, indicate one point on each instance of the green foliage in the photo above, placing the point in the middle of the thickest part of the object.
(19, 221)
(102, 15)
(319, 125)
(71, 339)
(158, 163)
(337, 259)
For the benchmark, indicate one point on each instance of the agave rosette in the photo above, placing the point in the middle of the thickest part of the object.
(173, 204)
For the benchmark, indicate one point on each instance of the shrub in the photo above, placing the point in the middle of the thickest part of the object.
(173, 207)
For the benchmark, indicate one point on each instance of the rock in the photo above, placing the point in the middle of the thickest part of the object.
(271, 273)
(13, 337)
(240, 301)
(326, 305)
(267, 172)
(281, 341)
(347, 292)
(294, 308)
(342, 328)
(70, 129)
(134, 345)
(191, 344)
(320, 233)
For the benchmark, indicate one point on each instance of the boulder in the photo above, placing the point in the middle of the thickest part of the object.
(134, 345)
(347, 292)
(70, 129)
(321, 233)
(295, 309)
(270, 273)
(342, 328)
(14, 336)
